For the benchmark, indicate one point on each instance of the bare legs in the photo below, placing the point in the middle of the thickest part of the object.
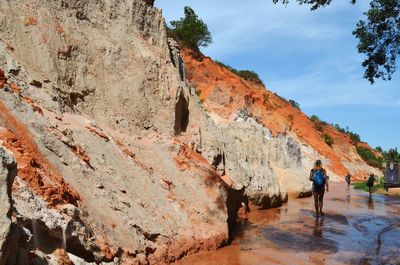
(319, 202)
(316, 202)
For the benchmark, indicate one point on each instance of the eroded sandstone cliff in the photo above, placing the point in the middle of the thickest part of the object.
(119, 161)
(227, 95)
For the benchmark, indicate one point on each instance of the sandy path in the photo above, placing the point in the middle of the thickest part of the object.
(355, 230)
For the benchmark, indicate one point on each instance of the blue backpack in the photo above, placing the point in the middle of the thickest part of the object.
(318, 178)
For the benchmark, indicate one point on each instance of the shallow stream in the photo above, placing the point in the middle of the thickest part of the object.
(356, 229)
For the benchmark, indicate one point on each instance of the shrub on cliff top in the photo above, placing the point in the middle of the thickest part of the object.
(190, 30)
(245, 74)
(294, 104)
(355, 138)
(250, 75)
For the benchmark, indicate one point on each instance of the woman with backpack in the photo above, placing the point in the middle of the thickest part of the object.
(319, 178)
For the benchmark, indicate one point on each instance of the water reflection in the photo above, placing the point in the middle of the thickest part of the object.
(347, 234)
(370, 203)
(318, 227)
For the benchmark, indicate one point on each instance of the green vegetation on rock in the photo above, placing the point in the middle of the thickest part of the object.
(328, 139)
(190, 30)
(294, 104)
(390, 155)
(369, 157)
(245, 74)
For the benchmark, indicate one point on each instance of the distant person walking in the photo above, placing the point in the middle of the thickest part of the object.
(319, 178)
(370, 183)
(348, 179)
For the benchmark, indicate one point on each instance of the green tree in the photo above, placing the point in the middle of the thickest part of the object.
(378, 36)
(379, 39)
(392, 155)
(379, 149)
(190, 30)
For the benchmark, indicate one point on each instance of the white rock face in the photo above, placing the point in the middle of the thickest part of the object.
(8, 170)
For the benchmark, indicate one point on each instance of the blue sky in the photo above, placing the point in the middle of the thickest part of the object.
(308, 56)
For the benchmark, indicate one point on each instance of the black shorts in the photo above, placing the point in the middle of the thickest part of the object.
(318, 189)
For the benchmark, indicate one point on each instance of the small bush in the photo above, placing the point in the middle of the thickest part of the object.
(318, 124)
(328, 139)
(355, 138)
(294, 104)
(250, 76)
(340, 129)
(314, 118)
(230, 68)
(245, 74)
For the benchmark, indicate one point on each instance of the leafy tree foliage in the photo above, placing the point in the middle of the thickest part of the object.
(378, 35)
(379, 39)
(315, 4)
(190, 30)
(391, 155)
(379, 149)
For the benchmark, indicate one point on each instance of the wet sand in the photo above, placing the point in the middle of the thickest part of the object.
(356, 229)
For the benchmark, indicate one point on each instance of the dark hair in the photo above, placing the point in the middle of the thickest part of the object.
(318, 165)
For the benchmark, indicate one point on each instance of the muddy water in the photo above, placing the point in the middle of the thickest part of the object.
(356, 229)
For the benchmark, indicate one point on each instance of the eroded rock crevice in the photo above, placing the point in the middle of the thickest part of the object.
(181, 114)
(235, 199)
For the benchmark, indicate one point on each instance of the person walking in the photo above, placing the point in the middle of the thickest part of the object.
(370, 183)
(348, 179)
(319, 178)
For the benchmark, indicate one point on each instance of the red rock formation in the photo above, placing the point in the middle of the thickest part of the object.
(33, 167)
(225, 93)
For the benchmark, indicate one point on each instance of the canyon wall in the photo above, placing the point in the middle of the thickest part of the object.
(119, 159)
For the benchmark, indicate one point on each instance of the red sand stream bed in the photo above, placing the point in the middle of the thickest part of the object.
(355, 230)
